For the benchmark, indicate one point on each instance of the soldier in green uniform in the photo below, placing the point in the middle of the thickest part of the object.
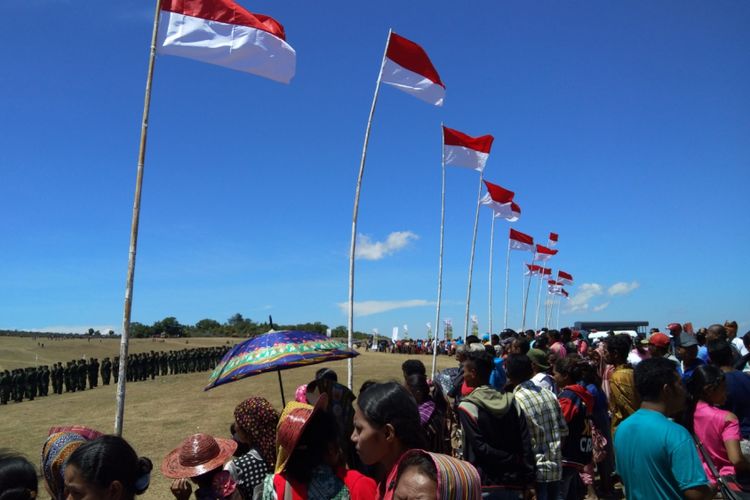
(68, 378)
(106, 370)
(44, 381)
(19, 385)
(6, 383)
(116, 368)
(81, 371)
(32, 378)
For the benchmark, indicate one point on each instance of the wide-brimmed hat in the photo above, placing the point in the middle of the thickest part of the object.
(292, 424)
(197, 455)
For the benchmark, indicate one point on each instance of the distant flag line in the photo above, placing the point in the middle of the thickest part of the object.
(223, 33)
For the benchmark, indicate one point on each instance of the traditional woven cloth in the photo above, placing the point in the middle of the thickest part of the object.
(258, 419)
(55, 453)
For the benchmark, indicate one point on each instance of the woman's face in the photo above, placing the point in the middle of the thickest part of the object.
(77, 488)
(369, 441)
(415, 485)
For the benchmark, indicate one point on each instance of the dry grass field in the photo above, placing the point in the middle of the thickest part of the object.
(158, 413)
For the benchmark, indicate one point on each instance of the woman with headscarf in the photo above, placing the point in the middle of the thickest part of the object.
(58, 448)
(309, 462)
(434, 476)
(255, 421)
(430, 416)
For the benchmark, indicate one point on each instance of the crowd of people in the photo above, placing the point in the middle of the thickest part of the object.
(546, 415)
(80, 374)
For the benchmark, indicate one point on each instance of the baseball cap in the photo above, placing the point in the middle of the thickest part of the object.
(659, 339)
(687, 340)
(675, 328)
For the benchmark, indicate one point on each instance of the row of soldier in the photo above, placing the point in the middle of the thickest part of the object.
(28, 383)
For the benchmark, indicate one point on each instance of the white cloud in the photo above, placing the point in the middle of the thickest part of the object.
(376, 250)
(75, 329)
(369, 307)
(622, 288)
(579, 301)
(600, 307)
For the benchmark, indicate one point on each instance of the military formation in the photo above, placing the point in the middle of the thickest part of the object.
(81, 374)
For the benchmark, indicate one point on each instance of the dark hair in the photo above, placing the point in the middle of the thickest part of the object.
(326, 374)
(110, 458)
(571, 366)
(365, 385)
(17, 477)
(482, 362)
(422, 461)
(651, 375)
(566, 333)
(321, 432)
(541, 342)
(413, 367)
(720, 352)
(703, 377)
(518, 367)
(417, 384)
(495, 339)
(718, 330)
(619, 345)
(522, 344)
(472, 339)
(553, 335)
(390, 403)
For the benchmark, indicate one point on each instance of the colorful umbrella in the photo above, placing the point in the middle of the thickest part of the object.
(276, 351)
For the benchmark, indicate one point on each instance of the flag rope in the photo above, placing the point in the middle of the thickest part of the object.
(471, 258)
(122, 368)
(440, 259)
(353, 246)
(526, 295)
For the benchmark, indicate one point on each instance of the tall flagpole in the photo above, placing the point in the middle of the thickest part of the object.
(353, 246)
(492, 242)
(440, 263)
(539, 298)
(507, 283)
(557, 323)
(471, 259)
(134, 230)
(526, 296)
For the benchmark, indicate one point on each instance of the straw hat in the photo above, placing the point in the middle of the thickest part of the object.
(197, 455)
(292, 423)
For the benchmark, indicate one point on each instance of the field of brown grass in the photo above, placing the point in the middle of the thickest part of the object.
(158, 413)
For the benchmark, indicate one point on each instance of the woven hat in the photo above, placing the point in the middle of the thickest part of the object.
(292, 423)
(197, 455)
(55, 453)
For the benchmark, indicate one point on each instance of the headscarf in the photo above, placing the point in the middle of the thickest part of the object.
(258, 419)
(456, 479)
(55, 453)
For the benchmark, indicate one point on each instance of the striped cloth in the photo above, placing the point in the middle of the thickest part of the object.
(456, 479)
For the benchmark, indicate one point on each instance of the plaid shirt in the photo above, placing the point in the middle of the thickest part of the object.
(546, 426)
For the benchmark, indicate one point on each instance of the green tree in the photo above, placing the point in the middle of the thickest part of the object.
(208, 326)
(139, 330)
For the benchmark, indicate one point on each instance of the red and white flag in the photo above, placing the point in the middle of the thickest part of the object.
(534, 269)
(521, 241)
(564, 293)
(554, 289)
(500, 200)
(543, 253)
(408, 68)
(224, 33)
(564, 278)
(461, 150)
(553, 282)
(552, 239)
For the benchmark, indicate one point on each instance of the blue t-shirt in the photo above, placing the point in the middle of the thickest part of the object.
(738, 399)
(656, 458)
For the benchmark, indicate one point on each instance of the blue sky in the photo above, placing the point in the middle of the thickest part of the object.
(622, 126)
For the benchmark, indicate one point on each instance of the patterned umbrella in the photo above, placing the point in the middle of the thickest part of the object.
(276, 351)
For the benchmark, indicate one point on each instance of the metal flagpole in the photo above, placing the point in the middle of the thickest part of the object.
(559, 301)
(440, 263)
(492, 243)
(526, 296)
(353, 246)
(134, 230)
(471, 259)
(507, 282)
(539, 298)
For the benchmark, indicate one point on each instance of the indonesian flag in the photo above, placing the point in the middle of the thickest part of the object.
(461, 150)
(521, 241)
(564, 278)
(552, 239)
(500, 200)
(224, 33)
(408, 68)
(543, 253)
(534, 269)
(563, 293)
(554, 289)
(553, 282)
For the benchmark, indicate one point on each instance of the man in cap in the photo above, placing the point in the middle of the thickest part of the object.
(687, 351)
(540, 366)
